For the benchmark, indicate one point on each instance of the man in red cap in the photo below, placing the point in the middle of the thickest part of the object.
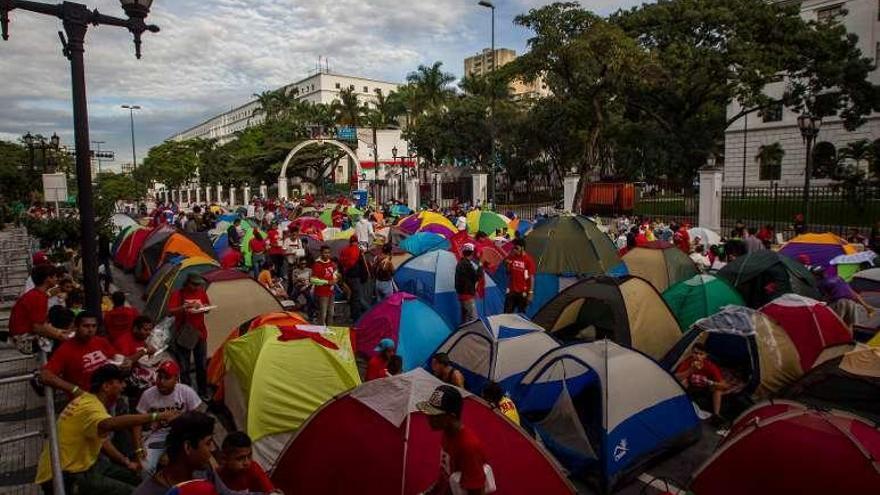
(166, 395)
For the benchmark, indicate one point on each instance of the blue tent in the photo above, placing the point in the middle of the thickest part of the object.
(604, 410)
(431, 278)
(500, 348)
(424, 242)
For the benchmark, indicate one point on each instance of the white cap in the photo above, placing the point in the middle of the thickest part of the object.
(467, 247)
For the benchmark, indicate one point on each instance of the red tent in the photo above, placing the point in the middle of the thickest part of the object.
(129, 249)
(372, 440)
(811, 325)
(784, 447)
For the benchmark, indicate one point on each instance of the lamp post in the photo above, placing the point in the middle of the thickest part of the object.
(490, 5)
(809, 126)
(76, 19)
(131, 109)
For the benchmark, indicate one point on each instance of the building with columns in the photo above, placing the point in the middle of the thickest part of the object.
(777, 128)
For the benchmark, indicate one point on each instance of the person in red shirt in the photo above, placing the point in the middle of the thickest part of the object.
(462, 456)
(30, 313)
(258, 253)
(356, 275)
(377, 367)
(324, 277)
(238, 471)
(71, 366)
(702, 379)
(276, 251)
(119, 320)
(134, 343)
(336, 217)
(521, 274)
(185, 304)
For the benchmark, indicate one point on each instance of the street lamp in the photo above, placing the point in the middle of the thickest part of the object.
(131, 109)
(490, 5)
(76, 19)
(809, 126)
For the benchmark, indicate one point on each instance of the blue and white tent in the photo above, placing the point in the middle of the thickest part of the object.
(424, 242)
(500, 348)
(604, 410)
(431, 278)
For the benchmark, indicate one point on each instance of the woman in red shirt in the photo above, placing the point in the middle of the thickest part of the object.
(258, 253)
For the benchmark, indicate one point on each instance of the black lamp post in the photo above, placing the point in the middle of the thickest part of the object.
(76, 19)
(131, 109)
(809, 127)
(490, 5)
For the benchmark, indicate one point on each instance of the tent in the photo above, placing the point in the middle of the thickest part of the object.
(130, 248)
(499, 348)
(847, 265)
(276, 377)
(486, 221)
(427, 221)
(850, 382)
(519, 226)
(604, 410)
(812, 324)
(785, 447)
(150, 251)
(820, 248)
(413, 325)
(565, 248)
(374, 441)
(660, 263)
(762, 276)
(171, 277)
(121, 221)
(423, 242)
(708, 237)
(238, 298)
(699, 297)
(756, 354)
(628, 310)
(188, 245)
(120, 237)
(431, 277)
(866, 281)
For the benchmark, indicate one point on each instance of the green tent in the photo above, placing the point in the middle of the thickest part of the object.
(762, 276)
(698, 297)
(571, 245)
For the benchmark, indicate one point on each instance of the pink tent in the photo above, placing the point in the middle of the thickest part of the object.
(809, 323)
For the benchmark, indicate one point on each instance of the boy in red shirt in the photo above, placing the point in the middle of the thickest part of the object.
(237, 468)
(119, 320)
(462, 455)
(71, 366)
(29, 317)
(702, 379)
(324, 277)
(377, 367)
(521, 273)
(184, 305)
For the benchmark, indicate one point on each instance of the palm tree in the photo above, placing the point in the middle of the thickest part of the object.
(860, 151)
(347, 109)
(432, 86)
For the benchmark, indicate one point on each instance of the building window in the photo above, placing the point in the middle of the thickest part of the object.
(338, 86)
(366, 89)
(351, 88)
(769, 160)
(824, 160)
(773, 113)
(830, 14)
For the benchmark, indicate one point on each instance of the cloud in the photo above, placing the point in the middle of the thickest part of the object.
(213, 55)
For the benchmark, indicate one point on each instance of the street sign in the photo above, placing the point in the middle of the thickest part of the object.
(54, 188)
(346, 134)
(100, 155)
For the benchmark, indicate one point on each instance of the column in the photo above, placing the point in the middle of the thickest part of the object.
(569, 189)
(264, 190)
(480, 187)
(188, 195)
(282, 188)
(710, 198)
(231, 197)
(247, 194)
(208, 194)
(412, 193)
(198, 195)
(437, 187)
(219, 193)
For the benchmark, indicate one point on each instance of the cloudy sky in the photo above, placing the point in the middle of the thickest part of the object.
(213, 55)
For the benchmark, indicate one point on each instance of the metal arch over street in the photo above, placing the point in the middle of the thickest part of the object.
(282, 177)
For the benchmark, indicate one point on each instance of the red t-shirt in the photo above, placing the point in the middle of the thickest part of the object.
(348, 258)
(275, 246)
(521, 270)
(258, 246)
(230, 259)
(463, 452)
(197, 320)
(324, 271)
(119, 321)
(377, 367)
(75, 361)
(700, 378)
(32, 308)
(127, 344)
(253, 479)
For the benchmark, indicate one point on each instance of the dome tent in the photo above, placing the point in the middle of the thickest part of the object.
(129, 248)
(375, 439)
(820, 248)
(170, 277)
(785, 447)
(238, 298)
(762, 276)
(423, 242)
(699, 297)
(660, 263)
(628, 310)
(499, 348)
(605, 411)
(866, 280)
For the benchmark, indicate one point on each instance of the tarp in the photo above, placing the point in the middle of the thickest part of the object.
(699, 297)
(662, 266)
(373, 438)
(820, 248)
(762, 276)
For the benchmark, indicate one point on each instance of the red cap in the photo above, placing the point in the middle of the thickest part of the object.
(353, 238)
(169, 368)
(40, 258)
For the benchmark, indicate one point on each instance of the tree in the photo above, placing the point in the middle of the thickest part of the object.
(431, 88)
(173, 163)
(17, 178)
(347, 109)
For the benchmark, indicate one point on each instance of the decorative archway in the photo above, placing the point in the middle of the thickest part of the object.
(282, 177)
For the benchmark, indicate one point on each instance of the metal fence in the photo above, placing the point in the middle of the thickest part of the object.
(666, 202)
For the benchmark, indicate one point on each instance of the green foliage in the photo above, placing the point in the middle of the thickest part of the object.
(17, 178)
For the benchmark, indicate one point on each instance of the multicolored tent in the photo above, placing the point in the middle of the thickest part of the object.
(786, 447)
(221, 240)
(423, 242)
(866, 280)
(413, 325)
(820, 248)
(519, 226)
(169, 278)
(277, 377)
(660, 263)
(153, 244)
(699, 297)
(431, 277)
(605, 411)
(126, 254)
(499, 348)
(762, 276)
(486, 221)
(847, 265)
(427, 221)
(375, 439)
(628, 310)
(566, 248)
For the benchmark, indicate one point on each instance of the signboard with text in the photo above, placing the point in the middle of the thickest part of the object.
(54, 188)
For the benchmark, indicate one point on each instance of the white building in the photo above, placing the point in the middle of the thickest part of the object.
(745, 138)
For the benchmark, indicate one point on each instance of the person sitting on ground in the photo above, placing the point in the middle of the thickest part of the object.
(700, 258)
(233, 234)
(377, 367)
(494, 395)
(442, 368)
(395, 365)
(120, 319)
(702, 379)
(463, 456)
(300, 290)
(265, 276)
(237, 467)
(84, 427)
(29, 317)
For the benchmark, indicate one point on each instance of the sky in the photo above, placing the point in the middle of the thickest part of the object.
(213, 55)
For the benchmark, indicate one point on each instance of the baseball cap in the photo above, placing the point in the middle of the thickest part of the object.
(195, 278)
(39, 258)
(169, 368)
(467, 247)
(446, 399)
(385, 344)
